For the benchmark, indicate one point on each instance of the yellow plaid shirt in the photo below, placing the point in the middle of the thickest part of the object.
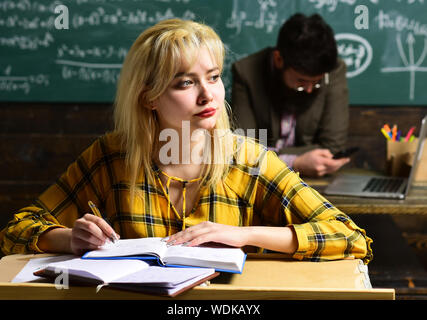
(259, 190)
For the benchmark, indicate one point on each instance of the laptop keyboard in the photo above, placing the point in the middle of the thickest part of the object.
(383, 185)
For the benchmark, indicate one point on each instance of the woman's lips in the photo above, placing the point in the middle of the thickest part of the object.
(209, 112)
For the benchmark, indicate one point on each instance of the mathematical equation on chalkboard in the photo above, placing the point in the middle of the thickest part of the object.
(381, 42)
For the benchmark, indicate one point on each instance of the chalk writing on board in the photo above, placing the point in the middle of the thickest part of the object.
(267, 18)
(105, 72)
(411, 64)
(26, 23)
(100, 16)
(25, 42)
(355, 51)
(396, 21)
(77, 51)
(27, 5)
(332, 5)
(409, 31)
(17, 83)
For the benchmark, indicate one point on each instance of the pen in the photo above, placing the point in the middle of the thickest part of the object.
(386, 135)
(386, 128)
(96, 212)
(394, 132)
(409, 134)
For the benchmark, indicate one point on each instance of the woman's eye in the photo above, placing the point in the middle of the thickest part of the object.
(185, 83)
(215, 77)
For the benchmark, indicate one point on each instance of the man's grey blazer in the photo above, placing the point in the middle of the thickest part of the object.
(323, 124)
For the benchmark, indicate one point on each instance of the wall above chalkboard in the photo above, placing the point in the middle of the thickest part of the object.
(383, 42)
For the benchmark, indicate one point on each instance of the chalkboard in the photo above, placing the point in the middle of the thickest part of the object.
(384, 43)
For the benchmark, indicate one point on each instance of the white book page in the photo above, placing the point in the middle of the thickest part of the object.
(226, 258)
(166, 277)
(130, 247)
(26, 274)
(105, 270)
(171, 291)
(159, 289)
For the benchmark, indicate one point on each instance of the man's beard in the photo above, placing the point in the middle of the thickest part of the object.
(297, 102)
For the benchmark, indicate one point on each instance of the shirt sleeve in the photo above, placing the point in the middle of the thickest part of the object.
(288, 159)
(60, 205)
(323, 231)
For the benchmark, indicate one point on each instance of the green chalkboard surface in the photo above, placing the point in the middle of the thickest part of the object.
(384, 43)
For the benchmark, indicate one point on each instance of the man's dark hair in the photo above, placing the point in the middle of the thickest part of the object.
(307, 44)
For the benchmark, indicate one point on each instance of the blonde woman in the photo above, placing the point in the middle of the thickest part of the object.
(172, 168)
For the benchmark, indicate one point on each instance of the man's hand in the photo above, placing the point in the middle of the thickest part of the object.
(317, 163)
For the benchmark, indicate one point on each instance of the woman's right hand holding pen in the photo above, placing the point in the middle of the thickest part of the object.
(89, 233)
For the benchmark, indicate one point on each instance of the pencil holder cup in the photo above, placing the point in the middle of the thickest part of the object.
(400, 157)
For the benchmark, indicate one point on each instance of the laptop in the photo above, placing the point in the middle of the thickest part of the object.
(379, 186)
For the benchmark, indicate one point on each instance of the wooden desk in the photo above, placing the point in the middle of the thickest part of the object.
(265, 277)
(396, 264)
(415, 203)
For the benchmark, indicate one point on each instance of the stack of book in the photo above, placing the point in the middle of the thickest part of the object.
(147, 265)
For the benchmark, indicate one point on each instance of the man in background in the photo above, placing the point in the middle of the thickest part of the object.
(298, 92)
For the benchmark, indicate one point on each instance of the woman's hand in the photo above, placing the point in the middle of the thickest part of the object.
(282, 239)
(89, 233)
(209, 231)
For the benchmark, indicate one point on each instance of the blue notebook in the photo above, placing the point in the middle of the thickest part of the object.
(224, 259)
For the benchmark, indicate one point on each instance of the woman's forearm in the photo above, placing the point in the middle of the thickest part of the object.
(55, 240)
(282, 239)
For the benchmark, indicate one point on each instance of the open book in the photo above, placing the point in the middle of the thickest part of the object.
(226, 259)
(134, 275)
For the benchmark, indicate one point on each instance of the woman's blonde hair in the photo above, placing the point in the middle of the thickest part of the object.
(150, 65)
